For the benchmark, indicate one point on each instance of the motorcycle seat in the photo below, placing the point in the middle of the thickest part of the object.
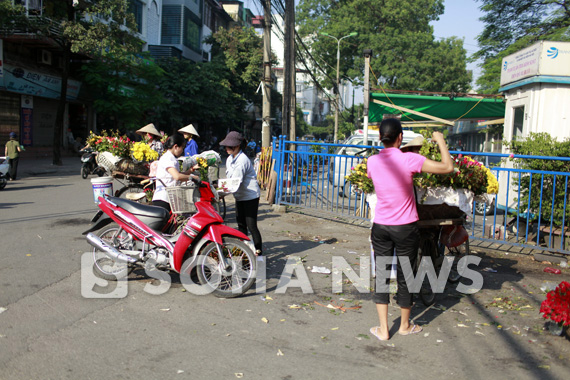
(153, 216)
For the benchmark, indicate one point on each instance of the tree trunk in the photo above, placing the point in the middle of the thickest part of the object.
(59, 118)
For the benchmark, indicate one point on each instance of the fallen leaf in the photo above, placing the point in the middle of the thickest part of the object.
(180, 371)
(267, 298)
(2, 309)
(544, 366)
(264, 320)
(29, 254)
(294, 307)
(479, 333)
(461, 325)
(279, 353)
(282, 320)
(334, 328)
(439, 341)
(165, 309)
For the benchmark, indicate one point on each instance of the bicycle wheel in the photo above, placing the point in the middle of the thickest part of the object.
(458, 252)
(428, 248)
(133, 188)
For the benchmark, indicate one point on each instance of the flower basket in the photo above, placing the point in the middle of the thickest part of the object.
(443, 203)
(129, 166)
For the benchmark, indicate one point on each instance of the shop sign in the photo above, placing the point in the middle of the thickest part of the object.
(31, 82)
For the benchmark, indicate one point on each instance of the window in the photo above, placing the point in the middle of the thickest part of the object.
(192, 26)
(171, 24)
(136, 8)
(518, 121)
(34, 7)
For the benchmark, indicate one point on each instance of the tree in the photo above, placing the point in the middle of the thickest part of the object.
(512, 25)
(89, 27)
(215, 94)
(405, 54)
(124, 88)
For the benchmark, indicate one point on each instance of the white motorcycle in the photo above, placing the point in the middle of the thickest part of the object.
(3, 172)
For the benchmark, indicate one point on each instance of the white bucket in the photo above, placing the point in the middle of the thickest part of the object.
(101, 186)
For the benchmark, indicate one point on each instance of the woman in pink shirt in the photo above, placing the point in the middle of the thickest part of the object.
(396, 216)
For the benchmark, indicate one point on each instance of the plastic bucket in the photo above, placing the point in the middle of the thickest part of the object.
(101, 186)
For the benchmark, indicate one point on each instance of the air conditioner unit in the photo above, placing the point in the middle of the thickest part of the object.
(45, 57)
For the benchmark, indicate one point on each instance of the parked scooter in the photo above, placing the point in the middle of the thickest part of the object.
(4, 166)
(222, 257)
(90, 166)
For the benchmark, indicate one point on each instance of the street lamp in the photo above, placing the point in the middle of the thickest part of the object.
(337, 106)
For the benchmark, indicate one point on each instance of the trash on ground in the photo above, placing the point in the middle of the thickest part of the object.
(548, 286)
(552, 270)
(321, 270)
(334, 305)
(564, 264)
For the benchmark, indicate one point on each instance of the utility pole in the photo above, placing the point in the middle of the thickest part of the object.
(367, 54)
(293, 73)
(286, 109)
(337, 106)
(266, 113)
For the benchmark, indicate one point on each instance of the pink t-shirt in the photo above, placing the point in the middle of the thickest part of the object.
(391, 171)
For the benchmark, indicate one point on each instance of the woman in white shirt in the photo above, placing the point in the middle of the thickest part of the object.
(238, 165)
(167, 170)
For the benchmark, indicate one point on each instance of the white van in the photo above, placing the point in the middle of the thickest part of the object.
(342, 165)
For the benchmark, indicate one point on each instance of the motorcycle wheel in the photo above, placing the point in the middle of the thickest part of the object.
(106, 268)
(3, 183)
(458, 252)
(84, 171)
(233, 281)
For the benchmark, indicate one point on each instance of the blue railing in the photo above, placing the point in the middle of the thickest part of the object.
(311, 175)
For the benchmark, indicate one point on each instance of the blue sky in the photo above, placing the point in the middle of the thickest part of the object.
(460, 19)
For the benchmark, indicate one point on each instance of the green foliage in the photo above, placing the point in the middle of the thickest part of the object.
(405, 53)
(214, 94)
(542, 144)
(124, 88)
(513, 25)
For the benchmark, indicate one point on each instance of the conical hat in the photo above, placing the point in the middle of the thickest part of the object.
(149, 128)
(189, 129)
(416, 142)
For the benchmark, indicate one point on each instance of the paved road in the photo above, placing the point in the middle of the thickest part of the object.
(48, 330)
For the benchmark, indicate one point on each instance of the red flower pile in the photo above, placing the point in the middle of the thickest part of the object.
(556, 306)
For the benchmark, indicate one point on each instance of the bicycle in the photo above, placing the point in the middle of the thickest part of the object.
(436, 242)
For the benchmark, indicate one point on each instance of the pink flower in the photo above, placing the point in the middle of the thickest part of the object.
(511, 155)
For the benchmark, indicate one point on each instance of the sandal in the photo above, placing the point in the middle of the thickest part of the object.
(415, 330)
(374, 331)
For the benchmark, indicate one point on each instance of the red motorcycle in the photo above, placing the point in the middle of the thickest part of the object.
(150, 236)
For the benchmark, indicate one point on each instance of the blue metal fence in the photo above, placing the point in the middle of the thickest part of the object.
(311, 175)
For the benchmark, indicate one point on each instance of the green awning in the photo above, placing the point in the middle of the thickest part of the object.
(441, 107)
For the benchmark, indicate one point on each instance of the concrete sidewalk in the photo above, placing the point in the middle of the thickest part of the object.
(31, 167)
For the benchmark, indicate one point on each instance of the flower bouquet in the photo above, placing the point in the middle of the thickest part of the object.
(556, 306)
(450, 195)
(119, 146)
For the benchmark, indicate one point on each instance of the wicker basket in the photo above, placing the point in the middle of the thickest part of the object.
(182, 198)
(108, 161)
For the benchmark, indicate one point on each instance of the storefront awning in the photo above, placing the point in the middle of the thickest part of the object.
(434, 108)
